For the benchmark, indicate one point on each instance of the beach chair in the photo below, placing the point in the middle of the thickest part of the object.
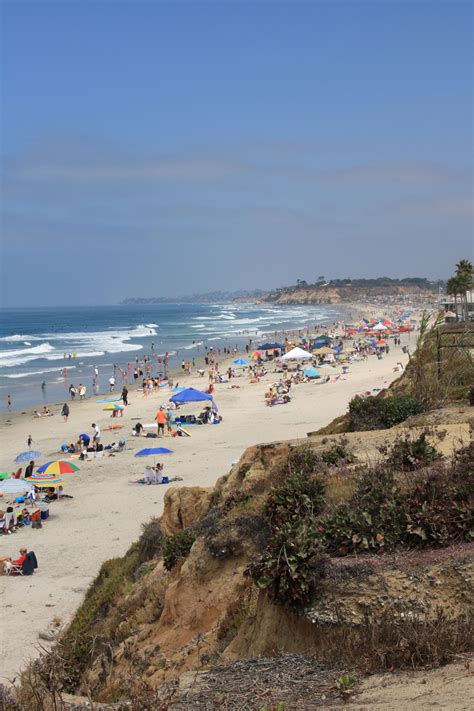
(27, 568)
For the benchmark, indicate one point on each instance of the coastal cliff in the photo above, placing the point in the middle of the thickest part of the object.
(329, 294)
(186, 598)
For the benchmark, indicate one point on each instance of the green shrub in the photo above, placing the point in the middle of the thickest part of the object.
(177, 546)
(376, 413)
(293, 558)
(337, 453)
(408, 454)
(372, 520)
(298, 497)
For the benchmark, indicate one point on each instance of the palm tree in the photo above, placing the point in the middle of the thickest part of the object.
(452, 288)
(465, 280)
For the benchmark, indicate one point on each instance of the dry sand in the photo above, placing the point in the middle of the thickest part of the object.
(107, 512)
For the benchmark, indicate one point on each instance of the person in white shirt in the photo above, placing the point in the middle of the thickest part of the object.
(111, 383)
(96, 436)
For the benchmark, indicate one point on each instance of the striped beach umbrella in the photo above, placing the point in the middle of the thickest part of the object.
(113, 406)
(57, 468)
(45, 480)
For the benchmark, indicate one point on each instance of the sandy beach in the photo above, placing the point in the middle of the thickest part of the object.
(106, 512)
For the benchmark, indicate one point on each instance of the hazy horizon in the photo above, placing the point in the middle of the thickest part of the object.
(165, 149)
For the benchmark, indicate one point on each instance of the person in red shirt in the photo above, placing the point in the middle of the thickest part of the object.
(9, 563)
(160, 417)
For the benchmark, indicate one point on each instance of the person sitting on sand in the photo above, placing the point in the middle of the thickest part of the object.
(7, 563)
(149, 475)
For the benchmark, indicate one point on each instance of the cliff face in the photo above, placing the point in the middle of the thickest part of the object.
(158, 624)
(347, 294)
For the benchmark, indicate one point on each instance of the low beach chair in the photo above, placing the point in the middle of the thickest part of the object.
(27, 568)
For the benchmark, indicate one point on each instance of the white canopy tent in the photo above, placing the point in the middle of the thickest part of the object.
(379, 327)
(297, 354)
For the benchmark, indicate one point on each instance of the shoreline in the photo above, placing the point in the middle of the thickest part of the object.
(106, 513)
(78, 371)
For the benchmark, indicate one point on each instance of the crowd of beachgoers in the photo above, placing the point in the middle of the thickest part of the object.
(101, 454)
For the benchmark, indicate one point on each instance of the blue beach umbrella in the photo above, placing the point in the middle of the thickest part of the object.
(241, 361)
(27, 456)
(178, 389)
(190, 395)
(312, 373)
(153, 451)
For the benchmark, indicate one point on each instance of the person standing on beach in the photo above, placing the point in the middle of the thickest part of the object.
(65, 411)
(9, 402)
(125, 395)
(160, 418)
(96, 436)
(111, 383)
(29, 441)
(72, 391)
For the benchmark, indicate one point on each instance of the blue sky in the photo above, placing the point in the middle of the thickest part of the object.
(153, 148)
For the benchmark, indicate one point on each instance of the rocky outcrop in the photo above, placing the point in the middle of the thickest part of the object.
(183, 507)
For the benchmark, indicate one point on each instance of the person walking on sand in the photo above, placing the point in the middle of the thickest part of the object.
(125, 395)
(9, 402)
(72, 391)
(29, 441)
(65, 411)
(111, 383)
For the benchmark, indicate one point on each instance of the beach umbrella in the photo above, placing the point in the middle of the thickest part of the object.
(113, 406)
(108, 399)
(380, 343)
(312, 373)
(28, 456)
(153, 451)
(241, 361)
(257, 354)
(349, 349)
(45, 480)
(4, 475)
(15, 486)
(190, 395)
(57, 468)
(325, 350)
(178, 389)
(297, 354)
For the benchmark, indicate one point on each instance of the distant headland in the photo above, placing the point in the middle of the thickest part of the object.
(322, 291)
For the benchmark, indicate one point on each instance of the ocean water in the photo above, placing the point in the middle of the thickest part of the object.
(36, 344)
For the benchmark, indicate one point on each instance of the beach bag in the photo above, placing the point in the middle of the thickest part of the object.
(151, 435)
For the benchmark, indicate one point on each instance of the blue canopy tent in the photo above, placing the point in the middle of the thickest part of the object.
(271, 346)
(321, 341)
(190, 395)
